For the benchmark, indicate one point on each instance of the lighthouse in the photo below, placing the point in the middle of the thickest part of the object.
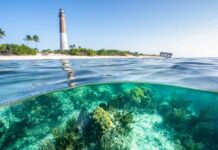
(63, 33)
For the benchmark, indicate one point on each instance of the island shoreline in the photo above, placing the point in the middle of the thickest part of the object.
(59, 57)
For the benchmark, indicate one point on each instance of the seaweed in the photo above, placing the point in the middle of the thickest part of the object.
(123, 121)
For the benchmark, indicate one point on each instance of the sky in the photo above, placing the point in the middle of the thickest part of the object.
(187, 28)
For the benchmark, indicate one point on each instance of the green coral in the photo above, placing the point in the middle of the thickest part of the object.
(102, 119)
(65, 138)
(138, 97)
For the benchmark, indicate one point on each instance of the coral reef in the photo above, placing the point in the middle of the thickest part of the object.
(193, 131)
(138, 97)
(102, 119)
(110, 117)
(95, 130)
(44, 109)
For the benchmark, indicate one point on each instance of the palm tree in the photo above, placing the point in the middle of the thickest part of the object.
(28, 38)
(72, 46)
(35, 39)
(2, 33)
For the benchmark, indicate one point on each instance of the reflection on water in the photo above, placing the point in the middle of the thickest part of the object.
(70, 73)
(113, 116)
(19, 79)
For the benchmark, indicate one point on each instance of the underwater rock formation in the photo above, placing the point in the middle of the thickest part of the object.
(83, 120)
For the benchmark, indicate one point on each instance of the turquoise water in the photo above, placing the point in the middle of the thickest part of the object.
(19, 79)
(107, 116)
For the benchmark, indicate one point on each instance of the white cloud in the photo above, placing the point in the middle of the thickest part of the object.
(211, 21)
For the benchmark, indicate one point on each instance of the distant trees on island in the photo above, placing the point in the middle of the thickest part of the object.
(34, 38)
(2, 33)
(15, 49)
(80, 51)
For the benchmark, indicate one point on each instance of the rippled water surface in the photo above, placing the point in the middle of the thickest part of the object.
(19, 79)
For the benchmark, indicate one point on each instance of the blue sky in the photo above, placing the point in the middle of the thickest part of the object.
(185, 27)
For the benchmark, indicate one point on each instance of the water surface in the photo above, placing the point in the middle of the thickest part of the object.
(19, 79)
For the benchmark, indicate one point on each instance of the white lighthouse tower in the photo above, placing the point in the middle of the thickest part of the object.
(63, 33)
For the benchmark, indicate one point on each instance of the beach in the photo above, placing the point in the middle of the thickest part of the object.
(60, 56)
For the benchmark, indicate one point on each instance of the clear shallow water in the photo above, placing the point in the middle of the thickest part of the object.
(19, 79)
(113, 116)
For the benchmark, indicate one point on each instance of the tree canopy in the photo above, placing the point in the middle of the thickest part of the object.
(14, 49)
(80, 51)
(35, 38)
(2, 33)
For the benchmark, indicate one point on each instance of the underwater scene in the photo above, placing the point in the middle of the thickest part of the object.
(112, 116)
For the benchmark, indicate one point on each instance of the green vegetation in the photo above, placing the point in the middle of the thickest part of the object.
(29, 38)
(79, 51)
(2, 33)
(102, 52)
(36, 39)
(14, 49)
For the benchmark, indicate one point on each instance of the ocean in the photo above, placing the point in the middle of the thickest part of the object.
(19, 79)
(119, 104)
